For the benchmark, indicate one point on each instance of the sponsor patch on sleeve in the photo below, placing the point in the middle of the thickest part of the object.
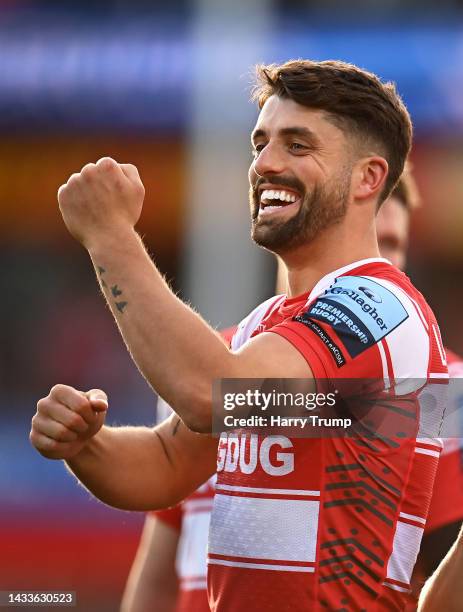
(324, 337)
(360, 311)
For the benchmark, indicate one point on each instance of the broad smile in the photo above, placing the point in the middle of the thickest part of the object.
(277, 199)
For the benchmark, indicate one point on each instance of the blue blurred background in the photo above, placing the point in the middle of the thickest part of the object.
(167, 88)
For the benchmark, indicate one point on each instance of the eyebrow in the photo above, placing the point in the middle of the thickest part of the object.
(304, 132)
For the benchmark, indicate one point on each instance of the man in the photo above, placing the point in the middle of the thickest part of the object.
(291, 526)
(168, 534)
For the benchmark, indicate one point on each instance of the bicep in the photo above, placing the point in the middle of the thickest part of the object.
(269, 355)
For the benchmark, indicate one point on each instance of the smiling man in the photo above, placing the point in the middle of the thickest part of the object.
(297, 524)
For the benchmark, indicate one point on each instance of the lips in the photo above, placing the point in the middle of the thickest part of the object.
(274, 198)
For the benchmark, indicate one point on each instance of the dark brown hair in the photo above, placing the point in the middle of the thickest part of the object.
(354, 99)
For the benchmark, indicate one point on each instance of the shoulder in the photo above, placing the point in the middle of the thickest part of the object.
(250, 323)
(365, 308)
(377, 306)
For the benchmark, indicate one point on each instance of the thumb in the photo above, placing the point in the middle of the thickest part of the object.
(98, 399)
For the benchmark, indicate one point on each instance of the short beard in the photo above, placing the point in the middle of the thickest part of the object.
(323, 207)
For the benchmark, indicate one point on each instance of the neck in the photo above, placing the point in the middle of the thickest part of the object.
(337, 246)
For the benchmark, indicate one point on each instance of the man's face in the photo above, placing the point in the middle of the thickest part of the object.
(300, 176)
(392, 223)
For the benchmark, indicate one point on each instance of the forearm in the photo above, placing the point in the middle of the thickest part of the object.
(152, 582)
(444, 590)
(138, 468)
(178, 353)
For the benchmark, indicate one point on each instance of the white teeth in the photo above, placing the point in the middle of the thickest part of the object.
(273, 194)
(270, 208)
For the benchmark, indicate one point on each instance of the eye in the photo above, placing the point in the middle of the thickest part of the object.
(297, 147)
(257, 148)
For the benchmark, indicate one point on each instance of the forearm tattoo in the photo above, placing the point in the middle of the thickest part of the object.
(115, 290)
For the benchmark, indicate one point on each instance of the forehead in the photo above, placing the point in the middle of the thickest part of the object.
(280, 113)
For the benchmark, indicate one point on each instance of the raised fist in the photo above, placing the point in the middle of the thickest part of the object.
(66, 420)
(102, 200)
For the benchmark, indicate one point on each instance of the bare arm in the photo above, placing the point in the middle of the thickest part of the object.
(152, 582)
(132, 468)
(178, 353)
(444, 590)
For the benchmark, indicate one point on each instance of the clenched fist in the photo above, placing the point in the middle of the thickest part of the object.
(66, 420)
(102, 200)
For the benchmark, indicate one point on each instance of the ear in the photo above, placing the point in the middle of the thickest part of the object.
(369, 176)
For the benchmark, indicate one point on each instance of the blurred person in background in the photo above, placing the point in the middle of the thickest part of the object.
(330, 144)
(443, 592)
(444, 518)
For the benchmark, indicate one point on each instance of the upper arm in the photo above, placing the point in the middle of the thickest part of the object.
(270, 355)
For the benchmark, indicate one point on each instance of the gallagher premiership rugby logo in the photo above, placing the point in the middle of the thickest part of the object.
(360, 310)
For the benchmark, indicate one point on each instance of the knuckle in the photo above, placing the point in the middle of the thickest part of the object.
(73, 179)
(41, 405)
(55, 390)
(88, 170)
(106, 164)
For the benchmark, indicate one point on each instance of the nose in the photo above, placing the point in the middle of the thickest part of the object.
(270, 160)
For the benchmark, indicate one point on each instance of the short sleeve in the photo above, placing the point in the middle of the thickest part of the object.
(339, 332)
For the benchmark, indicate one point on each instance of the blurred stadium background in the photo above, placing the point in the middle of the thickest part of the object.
(165, 86)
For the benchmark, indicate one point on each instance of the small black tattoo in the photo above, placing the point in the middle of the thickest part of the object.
(101, 271)
(164, 447)
(120, 306)
(115, 290)
(176, 426)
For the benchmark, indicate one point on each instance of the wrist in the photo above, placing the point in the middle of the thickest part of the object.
(88, 450)
(117, 240)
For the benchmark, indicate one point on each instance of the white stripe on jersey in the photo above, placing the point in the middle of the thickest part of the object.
(224, 487)
(262, 566)
(408, 344)
(250, 323)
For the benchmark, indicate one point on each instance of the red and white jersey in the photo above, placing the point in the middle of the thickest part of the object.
(191, 518)
(332, 523)
(448, 484)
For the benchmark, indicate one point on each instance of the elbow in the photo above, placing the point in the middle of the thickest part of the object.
(196, 411)
(199, 421)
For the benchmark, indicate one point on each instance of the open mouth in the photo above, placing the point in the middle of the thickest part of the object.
(277, 200)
